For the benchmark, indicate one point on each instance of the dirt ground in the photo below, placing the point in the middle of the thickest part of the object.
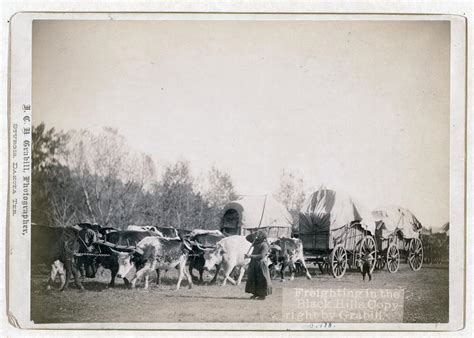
(426, 298)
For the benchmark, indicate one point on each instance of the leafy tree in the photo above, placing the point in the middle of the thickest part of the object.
(291, 193)
(111, 177)
(174, 195)
(47, 145)
(51, 185)
(218, 191)
(83, 176)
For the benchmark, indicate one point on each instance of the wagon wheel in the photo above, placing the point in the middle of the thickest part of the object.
(367, 246)
(393, 258)
(415, 254)
(323, 267)
(380, 262)
(338, 261)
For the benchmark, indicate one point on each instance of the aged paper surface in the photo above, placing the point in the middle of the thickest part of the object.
(296, 110)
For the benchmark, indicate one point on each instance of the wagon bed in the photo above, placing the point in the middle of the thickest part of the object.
(337, 250)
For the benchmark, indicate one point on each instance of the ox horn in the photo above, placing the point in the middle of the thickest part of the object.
(277, 247)
(120, 248)
(187, 244)
(126, 248)
(106, 243)
(115, 251)
(200, 247)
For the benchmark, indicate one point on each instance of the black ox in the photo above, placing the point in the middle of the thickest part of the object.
(201, 242)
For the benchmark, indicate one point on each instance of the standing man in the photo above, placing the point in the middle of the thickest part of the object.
(86, 239)
(258, 282)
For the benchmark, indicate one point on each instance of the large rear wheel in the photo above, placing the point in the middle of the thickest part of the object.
(393, 258)
(338, 261)
(415, 254)
(380, 263)
(324, 266)
(367, 248)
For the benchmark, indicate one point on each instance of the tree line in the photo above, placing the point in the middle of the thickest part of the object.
(82, 176)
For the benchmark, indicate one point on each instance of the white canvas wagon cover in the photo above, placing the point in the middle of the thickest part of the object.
(328, 210)
(258, 211)
(393, 218)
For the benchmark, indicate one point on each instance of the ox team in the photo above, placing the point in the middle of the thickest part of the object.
(132, 254)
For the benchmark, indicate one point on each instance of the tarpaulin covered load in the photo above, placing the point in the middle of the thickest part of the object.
(330, 212)
(391, 219)
(251, 212)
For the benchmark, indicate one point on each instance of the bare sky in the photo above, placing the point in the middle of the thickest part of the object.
(358, 106)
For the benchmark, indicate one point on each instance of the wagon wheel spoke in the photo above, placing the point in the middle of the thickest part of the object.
(338, 269)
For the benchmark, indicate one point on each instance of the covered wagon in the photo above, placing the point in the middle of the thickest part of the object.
(249, 213)
(336, 231)
(398, 238)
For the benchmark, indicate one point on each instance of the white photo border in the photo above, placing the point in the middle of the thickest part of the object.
(18, 281)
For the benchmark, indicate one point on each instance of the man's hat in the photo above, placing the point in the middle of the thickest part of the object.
(261, 235)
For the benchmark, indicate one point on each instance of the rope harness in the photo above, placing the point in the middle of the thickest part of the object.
(78, 254)
(70, 241)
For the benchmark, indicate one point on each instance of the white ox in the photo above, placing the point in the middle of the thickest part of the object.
(153, 253)
(230, 252)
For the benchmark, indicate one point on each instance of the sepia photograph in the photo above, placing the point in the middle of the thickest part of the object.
(227, 170)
